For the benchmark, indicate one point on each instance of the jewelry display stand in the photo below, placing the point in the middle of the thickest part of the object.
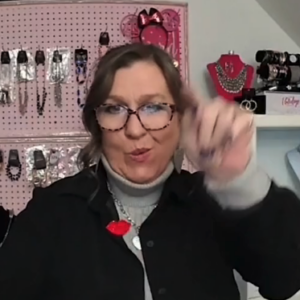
(41, 26)
(230, 75)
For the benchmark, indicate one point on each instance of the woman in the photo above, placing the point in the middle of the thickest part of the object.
(5, 222)
(135, 227)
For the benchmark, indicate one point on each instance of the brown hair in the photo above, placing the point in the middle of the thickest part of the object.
(115, 59)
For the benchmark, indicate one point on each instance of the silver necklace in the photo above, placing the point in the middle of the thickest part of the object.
(136, 241)
(231, 85)
(23, 105)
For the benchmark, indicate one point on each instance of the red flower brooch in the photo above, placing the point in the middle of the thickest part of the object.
(118, 228)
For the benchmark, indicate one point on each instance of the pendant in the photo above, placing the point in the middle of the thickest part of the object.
(137, 242)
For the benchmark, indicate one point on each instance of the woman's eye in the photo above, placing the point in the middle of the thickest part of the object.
(152, 108)
(114, 109)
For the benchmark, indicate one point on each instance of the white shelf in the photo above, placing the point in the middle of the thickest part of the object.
(277, 122)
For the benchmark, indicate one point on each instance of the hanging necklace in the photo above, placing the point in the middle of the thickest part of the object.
(57, 77)
(81, 58)
(5, 95)
(22, 61)
(231, 85)
(13, 164)
(136, 241)
(103, 47)
(104, 40)
(40, 60)
(1, 160)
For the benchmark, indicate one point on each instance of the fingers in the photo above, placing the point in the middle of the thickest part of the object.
(216, 125)
(216, 122)
(243, 122)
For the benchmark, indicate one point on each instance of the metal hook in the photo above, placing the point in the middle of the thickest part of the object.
(136, 10)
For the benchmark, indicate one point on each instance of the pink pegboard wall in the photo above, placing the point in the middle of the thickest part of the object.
(71, 25)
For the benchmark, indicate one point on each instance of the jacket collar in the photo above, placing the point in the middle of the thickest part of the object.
(90, 185)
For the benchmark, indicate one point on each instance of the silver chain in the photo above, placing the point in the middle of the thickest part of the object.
(22, 104)
(231, 85)
(57, 77)
(123, 211)
(58, 94)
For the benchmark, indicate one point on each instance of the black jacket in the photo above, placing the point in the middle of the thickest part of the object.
(59, 247)
(4, 223)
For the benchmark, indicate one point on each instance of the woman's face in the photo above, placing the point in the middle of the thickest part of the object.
(133, 152)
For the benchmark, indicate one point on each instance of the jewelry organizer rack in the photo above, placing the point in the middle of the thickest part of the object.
(44, 25)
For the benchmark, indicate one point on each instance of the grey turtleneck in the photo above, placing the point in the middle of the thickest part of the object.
(138, 200)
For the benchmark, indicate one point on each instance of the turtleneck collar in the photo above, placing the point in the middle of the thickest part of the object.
(133, 194)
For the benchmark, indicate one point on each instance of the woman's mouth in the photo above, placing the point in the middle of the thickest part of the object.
(140, 155)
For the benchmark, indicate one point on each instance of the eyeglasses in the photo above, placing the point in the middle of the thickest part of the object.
(152, 116)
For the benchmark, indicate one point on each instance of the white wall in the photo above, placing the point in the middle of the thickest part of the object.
(217, 26)
(286, 14)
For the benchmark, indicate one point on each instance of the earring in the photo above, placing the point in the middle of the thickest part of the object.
(178, 159)
(228, 67)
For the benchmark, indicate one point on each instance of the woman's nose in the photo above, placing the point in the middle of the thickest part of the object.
(134, 127)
